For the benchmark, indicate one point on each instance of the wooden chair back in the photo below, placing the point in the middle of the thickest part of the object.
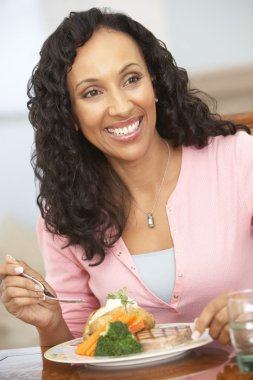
(245, 118)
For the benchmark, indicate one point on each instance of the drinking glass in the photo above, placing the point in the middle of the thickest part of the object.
(240, 312)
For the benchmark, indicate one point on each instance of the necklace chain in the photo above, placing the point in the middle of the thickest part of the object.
(149, 214)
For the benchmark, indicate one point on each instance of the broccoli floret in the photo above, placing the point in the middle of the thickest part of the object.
(117, 330)
(117, 341)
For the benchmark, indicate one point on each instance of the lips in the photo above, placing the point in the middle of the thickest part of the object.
(125, 129)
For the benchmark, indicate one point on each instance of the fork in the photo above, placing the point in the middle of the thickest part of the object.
(49, 295)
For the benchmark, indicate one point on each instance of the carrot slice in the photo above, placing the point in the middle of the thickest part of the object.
(137, 325)
(83, 347)
(127, 318)
(134, 322)
(91, 350)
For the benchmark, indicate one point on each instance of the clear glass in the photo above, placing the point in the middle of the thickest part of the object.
(240, 312)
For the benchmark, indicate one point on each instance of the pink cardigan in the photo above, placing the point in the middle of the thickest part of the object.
(210, 215)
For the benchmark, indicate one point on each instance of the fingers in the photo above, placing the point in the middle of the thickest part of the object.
(224, 337)
(14, 267)
(15, 297)
(17, 291)
(15, 288)
(210, 312)
(215, 317)
(13, 292)
(9, 259)
(19, 282)
(20, 264)
(15, 305)
(218, 329)
(10, 267)
(218, 323)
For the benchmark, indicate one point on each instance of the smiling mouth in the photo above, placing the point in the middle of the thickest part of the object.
(125, 131)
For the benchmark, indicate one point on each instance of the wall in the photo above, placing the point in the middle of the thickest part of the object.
(213, 41)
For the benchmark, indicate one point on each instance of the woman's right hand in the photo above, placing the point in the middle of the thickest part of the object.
(23, 299)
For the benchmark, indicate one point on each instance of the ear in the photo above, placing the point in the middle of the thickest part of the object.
(153, 79)
(75, 120)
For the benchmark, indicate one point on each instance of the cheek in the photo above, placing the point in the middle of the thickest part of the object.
(150, 107)
(147, 98)
(89, 120)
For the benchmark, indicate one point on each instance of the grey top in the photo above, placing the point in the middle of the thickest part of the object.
(157, 271)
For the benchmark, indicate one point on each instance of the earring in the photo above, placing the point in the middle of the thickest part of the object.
(156, 100)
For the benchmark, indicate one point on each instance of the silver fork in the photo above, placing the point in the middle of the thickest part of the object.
(49, 295)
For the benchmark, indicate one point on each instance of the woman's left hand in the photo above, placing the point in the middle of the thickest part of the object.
(215, 317)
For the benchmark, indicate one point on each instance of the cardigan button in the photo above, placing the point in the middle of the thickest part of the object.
(175, 296)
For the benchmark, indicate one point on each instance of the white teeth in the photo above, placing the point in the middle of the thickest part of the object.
(125, 130)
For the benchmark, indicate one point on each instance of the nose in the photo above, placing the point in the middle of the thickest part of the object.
(120, 104)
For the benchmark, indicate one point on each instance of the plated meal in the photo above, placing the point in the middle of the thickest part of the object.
(122, 333)
(111, 330)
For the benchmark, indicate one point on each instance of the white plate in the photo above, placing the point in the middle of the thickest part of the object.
(65, 353)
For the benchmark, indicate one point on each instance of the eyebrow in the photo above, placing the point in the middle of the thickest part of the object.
(92, 80)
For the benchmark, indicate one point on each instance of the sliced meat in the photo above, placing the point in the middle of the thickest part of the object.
(164, 337)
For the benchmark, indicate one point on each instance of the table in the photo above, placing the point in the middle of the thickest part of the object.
(203, 363)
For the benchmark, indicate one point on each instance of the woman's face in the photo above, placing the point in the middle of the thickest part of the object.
(112, 95)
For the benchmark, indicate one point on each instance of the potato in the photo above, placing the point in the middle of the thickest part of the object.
(89, 328)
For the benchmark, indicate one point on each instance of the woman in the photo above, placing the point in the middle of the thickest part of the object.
(139, 187)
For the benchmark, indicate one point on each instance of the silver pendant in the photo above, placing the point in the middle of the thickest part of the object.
(151, 222)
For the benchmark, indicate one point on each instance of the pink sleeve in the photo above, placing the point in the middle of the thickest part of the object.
(68, 277)
(244, 151)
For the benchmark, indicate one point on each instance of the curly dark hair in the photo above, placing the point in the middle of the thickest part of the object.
(76, 196)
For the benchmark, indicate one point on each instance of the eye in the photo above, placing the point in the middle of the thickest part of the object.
(133, 79)
(91, 93)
